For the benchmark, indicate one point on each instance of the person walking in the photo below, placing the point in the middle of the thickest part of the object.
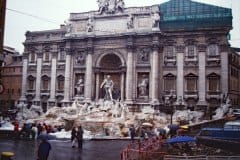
(80, 136)
(44, 149)
(73, 136)
(132, 133)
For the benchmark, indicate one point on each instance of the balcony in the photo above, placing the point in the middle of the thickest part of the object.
(213, 95)
(45, 92)
(191, 94)
(171, 60)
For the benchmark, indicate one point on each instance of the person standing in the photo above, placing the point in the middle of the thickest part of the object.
(44, 149)
(73, 136)
(80, 136)
(132, 133)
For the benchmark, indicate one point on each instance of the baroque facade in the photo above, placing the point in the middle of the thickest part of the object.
(153, 54)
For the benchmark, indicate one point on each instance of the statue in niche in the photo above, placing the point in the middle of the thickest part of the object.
(120, 5)
(143, 86)
(90, 25)
(143, 56)
(108, 86)
(80, 59)
(130, 23)
(155, 20)
(80, 86)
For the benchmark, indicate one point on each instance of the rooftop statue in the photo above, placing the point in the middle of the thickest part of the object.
(110, 6)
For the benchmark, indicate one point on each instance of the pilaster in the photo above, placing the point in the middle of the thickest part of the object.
(129, 76)
(52, 99)
(180, 62)
(202, 75)
(38, 77)
(155, 73)
(24, 77)
(224, 48)
(67, 78)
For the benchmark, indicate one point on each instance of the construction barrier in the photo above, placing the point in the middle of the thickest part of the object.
(149, 149)
(200, 157)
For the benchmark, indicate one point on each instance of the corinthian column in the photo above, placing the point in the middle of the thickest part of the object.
(38, 78)
(155, 73)
(89, 73)
(67, 74)
(129, 77)
(53, 78)
(24, 77)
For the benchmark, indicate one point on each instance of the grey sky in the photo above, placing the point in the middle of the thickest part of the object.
(57, 11)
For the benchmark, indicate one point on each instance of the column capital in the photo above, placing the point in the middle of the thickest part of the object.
(39, 54)
(25, 55)
(68, 51)
(180, 48)
(202, 48)
(224, 47)
(90, 50)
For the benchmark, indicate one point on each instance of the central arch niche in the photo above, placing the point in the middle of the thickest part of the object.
(111, 64)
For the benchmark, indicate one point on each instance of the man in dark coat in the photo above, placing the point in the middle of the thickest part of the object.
(73, 136)
(80, 136)
(44, 149)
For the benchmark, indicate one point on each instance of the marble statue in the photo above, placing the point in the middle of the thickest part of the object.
(155, 20)
(130, 23)
(108, 86)
(142, 86)
(80, 86)
(90, 25)
(120, 5)
(110, 6)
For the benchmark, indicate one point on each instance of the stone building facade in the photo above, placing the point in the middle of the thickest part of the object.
(155, 55)
(10, 79)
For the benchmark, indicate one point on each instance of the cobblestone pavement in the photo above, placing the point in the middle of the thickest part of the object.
(61, 150)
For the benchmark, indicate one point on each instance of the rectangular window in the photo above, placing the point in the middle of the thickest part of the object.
(190, 51)
(191, 84)
(170, 52)
(60, 85)
(45, 84)
(32, 57)
(47, 56)
(169, 83)
(62, 55)
(213, 84)
(31, 84)
(212, 50)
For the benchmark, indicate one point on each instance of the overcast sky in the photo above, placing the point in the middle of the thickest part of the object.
(49, 14)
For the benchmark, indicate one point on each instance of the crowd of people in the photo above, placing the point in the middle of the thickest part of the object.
(34, 130)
